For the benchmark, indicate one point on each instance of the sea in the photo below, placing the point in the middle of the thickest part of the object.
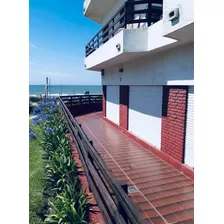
(37, 90)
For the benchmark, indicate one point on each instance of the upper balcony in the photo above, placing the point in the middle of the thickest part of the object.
(126, 34)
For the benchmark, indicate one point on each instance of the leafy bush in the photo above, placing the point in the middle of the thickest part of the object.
(69, 204)
(69, 207)
(34, 99)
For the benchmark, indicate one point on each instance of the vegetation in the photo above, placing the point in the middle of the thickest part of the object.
(67, 202)
(38, 203)
(34, 99)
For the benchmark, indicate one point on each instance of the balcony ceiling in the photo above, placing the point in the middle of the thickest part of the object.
(97, 9)
(184, 34)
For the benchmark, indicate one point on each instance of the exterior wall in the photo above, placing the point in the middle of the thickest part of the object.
(104, 100)
(171, 67)
(124, 105)
(173, 121)
(135, 40)
(145, 113)
(186, 14)
(112, 104)
(189, 140)
(105, 52)
(131, 41)
(156, 38)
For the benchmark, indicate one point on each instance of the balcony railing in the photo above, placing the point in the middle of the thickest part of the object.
(133, 14)
(73, 100)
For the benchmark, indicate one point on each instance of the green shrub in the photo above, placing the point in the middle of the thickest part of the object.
(34, 99)
(69, 207)
(68, 203)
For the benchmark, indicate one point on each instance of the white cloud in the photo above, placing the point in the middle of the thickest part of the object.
(32, 45)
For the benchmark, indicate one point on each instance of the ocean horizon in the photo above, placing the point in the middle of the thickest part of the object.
(37, 90)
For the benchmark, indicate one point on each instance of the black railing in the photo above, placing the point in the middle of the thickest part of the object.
(112, 198)
(81, 99)
(141, 13)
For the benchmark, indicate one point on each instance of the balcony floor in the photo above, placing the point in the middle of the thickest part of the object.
(164, 194)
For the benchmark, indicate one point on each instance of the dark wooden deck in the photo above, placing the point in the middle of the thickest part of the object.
(164, 195)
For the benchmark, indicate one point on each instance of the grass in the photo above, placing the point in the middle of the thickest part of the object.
(37, 201)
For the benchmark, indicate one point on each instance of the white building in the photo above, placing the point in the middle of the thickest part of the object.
(145, 52)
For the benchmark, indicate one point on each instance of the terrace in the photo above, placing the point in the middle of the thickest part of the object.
(120, 167)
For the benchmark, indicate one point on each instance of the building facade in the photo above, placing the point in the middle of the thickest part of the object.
(145, 53)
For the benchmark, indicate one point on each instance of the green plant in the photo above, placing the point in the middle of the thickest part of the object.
(70, 207)
(69, 204)
(37, 202)
(34, 99)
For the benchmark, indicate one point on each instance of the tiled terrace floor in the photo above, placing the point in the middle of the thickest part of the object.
(164, 195)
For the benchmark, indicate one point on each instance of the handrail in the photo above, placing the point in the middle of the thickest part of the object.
(126, 14)
(97, 171)
(71, 100)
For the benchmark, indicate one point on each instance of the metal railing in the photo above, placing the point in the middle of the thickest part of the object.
(132, 12)
(111, 197)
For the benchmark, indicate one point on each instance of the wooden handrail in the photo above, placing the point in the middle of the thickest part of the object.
(82, 99)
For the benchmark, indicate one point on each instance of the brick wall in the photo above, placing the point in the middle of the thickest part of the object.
(173, 121)
(124, 102)
(104, 100)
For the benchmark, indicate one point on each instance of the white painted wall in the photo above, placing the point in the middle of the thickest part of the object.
(105, 52)
(186, 12)
(171, 67)
(112, 103)
(130, 40)
(145, 113)
(135, 40)
(156, 38)
(189, 141)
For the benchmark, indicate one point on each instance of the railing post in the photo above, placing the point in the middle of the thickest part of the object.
(105, 34)
(80, 99)
(113, 27)
(129, 6)
(120, 208)
(125, 19)
(71, 101)
(98, 41)
(149, 14)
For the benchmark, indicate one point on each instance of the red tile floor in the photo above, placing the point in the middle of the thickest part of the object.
(164, 194)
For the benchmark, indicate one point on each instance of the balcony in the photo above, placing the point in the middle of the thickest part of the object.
(126, 36)
(133, 14)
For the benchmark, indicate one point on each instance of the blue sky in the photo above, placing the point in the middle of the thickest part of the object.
(58, 34)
